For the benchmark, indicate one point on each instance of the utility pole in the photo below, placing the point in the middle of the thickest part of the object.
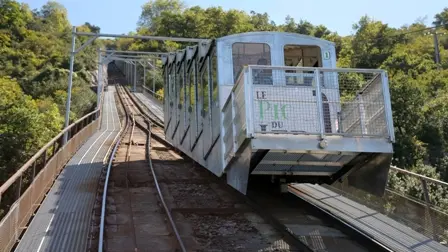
(100, 80)
(436, 49)
(70, 81)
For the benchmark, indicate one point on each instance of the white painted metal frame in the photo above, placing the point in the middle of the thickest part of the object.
(317, 71)
(92, 38)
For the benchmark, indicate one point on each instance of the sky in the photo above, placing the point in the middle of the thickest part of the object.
(118, 16)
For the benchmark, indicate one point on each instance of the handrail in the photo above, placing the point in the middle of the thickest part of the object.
(154, 93)
(400, 170)
(322, 69)
(36, 177)
(34, 158)
(416, 207)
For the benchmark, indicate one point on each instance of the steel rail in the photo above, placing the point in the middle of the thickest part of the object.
(131, 115)
(150, 121)
(106, 184)
(103, 204)
(137, 102)
(168, 213)
(122, 91)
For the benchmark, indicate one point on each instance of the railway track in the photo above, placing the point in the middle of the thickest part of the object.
(156, 200)
(136, 221)
(165, 202)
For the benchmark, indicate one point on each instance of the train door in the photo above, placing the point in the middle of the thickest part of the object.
(301, 56)
(306, 56)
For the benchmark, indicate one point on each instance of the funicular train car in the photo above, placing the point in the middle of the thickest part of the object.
(246, 105)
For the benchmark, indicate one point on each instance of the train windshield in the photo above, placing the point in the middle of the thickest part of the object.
(301, 56)
(244, 54)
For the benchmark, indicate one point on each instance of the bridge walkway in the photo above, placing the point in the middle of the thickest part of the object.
(154, 105)
(63, 221)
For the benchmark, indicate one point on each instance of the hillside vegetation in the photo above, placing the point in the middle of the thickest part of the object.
(34, 61)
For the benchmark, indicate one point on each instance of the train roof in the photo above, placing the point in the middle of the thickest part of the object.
(250, 37)
(276, 34)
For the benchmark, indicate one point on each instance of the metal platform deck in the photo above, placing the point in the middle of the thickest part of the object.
(152, 104)
(383, 229)
(62, 223)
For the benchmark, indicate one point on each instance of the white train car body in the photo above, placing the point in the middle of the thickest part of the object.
(247, 105)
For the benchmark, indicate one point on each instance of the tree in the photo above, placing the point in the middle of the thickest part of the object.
(154, 9)
(25, 125)
(13, 20)
(33, 79)
(321, 31)
(441, 19)
(305, 27)
(372, 44)
(53, 17)
(290, 25)
(93, 28)
(261, 22)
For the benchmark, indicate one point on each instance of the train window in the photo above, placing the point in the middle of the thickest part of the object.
(251, 54)
(192, 86)
(301, 56)
(175, 83)
(188, 82)
(214, 106)
(214, 72)
(165, 79)
(179, 78)
(181, 86)
(172, 94)
(204, 88)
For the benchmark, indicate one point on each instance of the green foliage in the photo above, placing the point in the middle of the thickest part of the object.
(442, 18)
(159, 94)
(34, 58)
(25, 125)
